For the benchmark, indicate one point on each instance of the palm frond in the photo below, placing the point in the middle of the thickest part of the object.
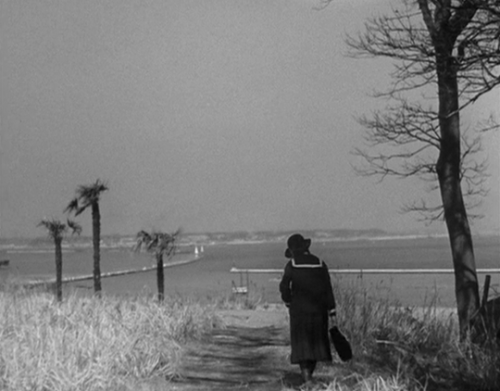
(54, 227)
(72, 206)
(75, 227)
(143, 238)
(91, 193)
(157, 242)
(177, 233)
(81, 209)
(152, 245)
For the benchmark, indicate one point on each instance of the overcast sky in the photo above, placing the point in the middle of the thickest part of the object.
(210, 115)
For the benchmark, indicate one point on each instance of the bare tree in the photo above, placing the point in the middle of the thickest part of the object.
(160, 244)
(449, 49)
(89, 196)
(409, 134)
(56, 230)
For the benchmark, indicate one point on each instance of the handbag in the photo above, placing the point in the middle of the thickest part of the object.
(341, 344)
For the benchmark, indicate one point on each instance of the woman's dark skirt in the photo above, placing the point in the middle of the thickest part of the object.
(309, 337)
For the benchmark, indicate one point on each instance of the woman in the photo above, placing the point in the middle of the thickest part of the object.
(307, 291)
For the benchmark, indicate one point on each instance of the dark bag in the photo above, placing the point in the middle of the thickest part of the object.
(341, 344)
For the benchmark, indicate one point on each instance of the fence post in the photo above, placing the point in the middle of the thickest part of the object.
(486, 288)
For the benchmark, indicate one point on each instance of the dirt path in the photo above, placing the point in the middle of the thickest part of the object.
(251, 353)
(238, 358)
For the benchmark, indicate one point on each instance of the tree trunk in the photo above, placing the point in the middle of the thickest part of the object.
(58, 292)
(96, 239)
(160, 277)
(448, 170)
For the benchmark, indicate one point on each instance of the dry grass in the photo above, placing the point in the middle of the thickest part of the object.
(398, 348)
(88, 344)
(92, 344)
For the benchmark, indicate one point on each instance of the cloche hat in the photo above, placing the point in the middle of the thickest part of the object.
(296, 242)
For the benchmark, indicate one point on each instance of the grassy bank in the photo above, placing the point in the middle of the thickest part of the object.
(398, 348)
(91, 344)
(87, 344)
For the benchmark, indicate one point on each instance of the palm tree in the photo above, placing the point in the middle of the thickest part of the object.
(56, 231)
(159, 244)
(88, 196)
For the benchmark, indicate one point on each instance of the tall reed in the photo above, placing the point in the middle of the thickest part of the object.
(90, 344)
(416, 348)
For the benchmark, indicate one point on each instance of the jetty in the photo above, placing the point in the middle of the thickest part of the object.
(48, 282)
(368, 271)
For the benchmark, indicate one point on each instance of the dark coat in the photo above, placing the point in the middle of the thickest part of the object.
(307, 290)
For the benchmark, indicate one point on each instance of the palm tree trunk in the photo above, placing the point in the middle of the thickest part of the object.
(58, 292)
(448, 170)
(160, 277)
(96, 239)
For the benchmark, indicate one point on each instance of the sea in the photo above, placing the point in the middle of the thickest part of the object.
(208, 260)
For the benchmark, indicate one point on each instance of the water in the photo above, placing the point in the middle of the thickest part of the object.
(209, 276)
